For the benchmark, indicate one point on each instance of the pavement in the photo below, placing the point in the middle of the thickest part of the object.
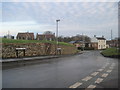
(34, 58)
(20, 61)
(87, 70)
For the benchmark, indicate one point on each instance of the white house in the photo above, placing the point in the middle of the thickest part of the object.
(98, 42)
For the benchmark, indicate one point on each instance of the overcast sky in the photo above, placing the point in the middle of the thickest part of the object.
(89, 18)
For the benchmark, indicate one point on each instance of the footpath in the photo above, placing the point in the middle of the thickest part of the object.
(13, 62)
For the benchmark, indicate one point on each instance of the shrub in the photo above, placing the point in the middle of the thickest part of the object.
(88, 48)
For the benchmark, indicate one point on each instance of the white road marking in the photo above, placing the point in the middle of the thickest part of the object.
(99, 80)
(94, 74)
(91, 86)
(100, 69)
(75, 85)
(109, 71)
(87, 78)
(104, 75)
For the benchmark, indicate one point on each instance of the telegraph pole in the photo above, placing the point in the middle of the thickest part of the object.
(111, 34)
(111, 39)
(57, 34)
(83, 41)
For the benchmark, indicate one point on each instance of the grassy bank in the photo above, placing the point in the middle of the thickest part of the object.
(111, 52)
(4, 40)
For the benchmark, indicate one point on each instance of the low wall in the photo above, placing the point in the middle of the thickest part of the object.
(35, 49)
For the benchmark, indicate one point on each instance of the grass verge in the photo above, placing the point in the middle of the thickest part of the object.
(110, 52)
(4, 40)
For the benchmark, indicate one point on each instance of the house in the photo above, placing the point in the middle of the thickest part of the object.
(98, 42)
(77, 43)
(80, 43)
(113, 43)
(48, 35)
(25, 36)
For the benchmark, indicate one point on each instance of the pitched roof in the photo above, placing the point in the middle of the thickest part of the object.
(26, 34)
(72, 42)
(100, 38)
(46, 35)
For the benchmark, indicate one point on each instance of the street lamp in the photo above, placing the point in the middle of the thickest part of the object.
(57, 34)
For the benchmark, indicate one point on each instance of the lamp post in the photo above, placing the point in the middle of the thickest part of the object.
(57, 34)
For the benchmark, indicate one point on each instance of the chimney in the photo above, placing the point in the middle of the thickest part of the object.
(94, 35)
(102, 36)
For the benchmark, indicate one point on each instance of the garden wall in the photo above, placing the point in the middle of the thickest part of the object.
(34, 49)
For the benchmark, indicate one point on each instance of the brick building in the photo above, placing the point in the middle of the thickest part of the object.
(25, 36)
(48, 35)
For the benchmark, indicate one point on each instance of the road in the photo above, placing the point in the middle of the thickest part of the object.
(87, 70)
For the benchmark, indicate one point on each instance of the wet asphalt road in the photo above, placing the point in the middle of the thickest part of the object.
(65, 72)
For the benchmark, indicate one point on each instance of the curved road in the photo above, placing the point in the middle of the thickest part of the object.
(87, 70)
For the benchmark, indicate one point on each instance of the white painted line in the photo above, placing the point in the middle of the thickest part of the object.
(100, 69)
(91, 86)
(99, 80)
(104, 75)
(86, 78)
(109, 71)
(75, 85)
(94, 74)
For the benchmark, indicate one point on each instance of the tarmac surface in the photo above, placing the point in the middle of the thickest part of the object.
(87, 70)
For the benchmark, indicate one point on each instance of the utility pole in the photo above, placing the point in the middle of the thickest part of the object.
(8, 34)
(57, 34)
(83, 41)
(111, 34)
(111, 38)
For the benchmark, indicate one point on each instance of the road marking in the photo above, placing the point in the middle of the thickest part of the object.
(87, 78)
(75, 85)
(90, 86)
(99, 80)
(94, 74)
(100, 69)
(104, 75)
(109, 71)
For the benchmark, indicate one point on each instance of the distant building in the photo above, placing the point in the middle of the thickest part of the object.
(80, 43)
(98, 42)
(113, 43)
(25, 36)
(9, 36)
(48, 35)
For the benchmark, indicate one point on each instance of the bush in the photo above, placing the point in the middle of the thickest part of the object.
(80, 48)
(88, 48)
(85, 48)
